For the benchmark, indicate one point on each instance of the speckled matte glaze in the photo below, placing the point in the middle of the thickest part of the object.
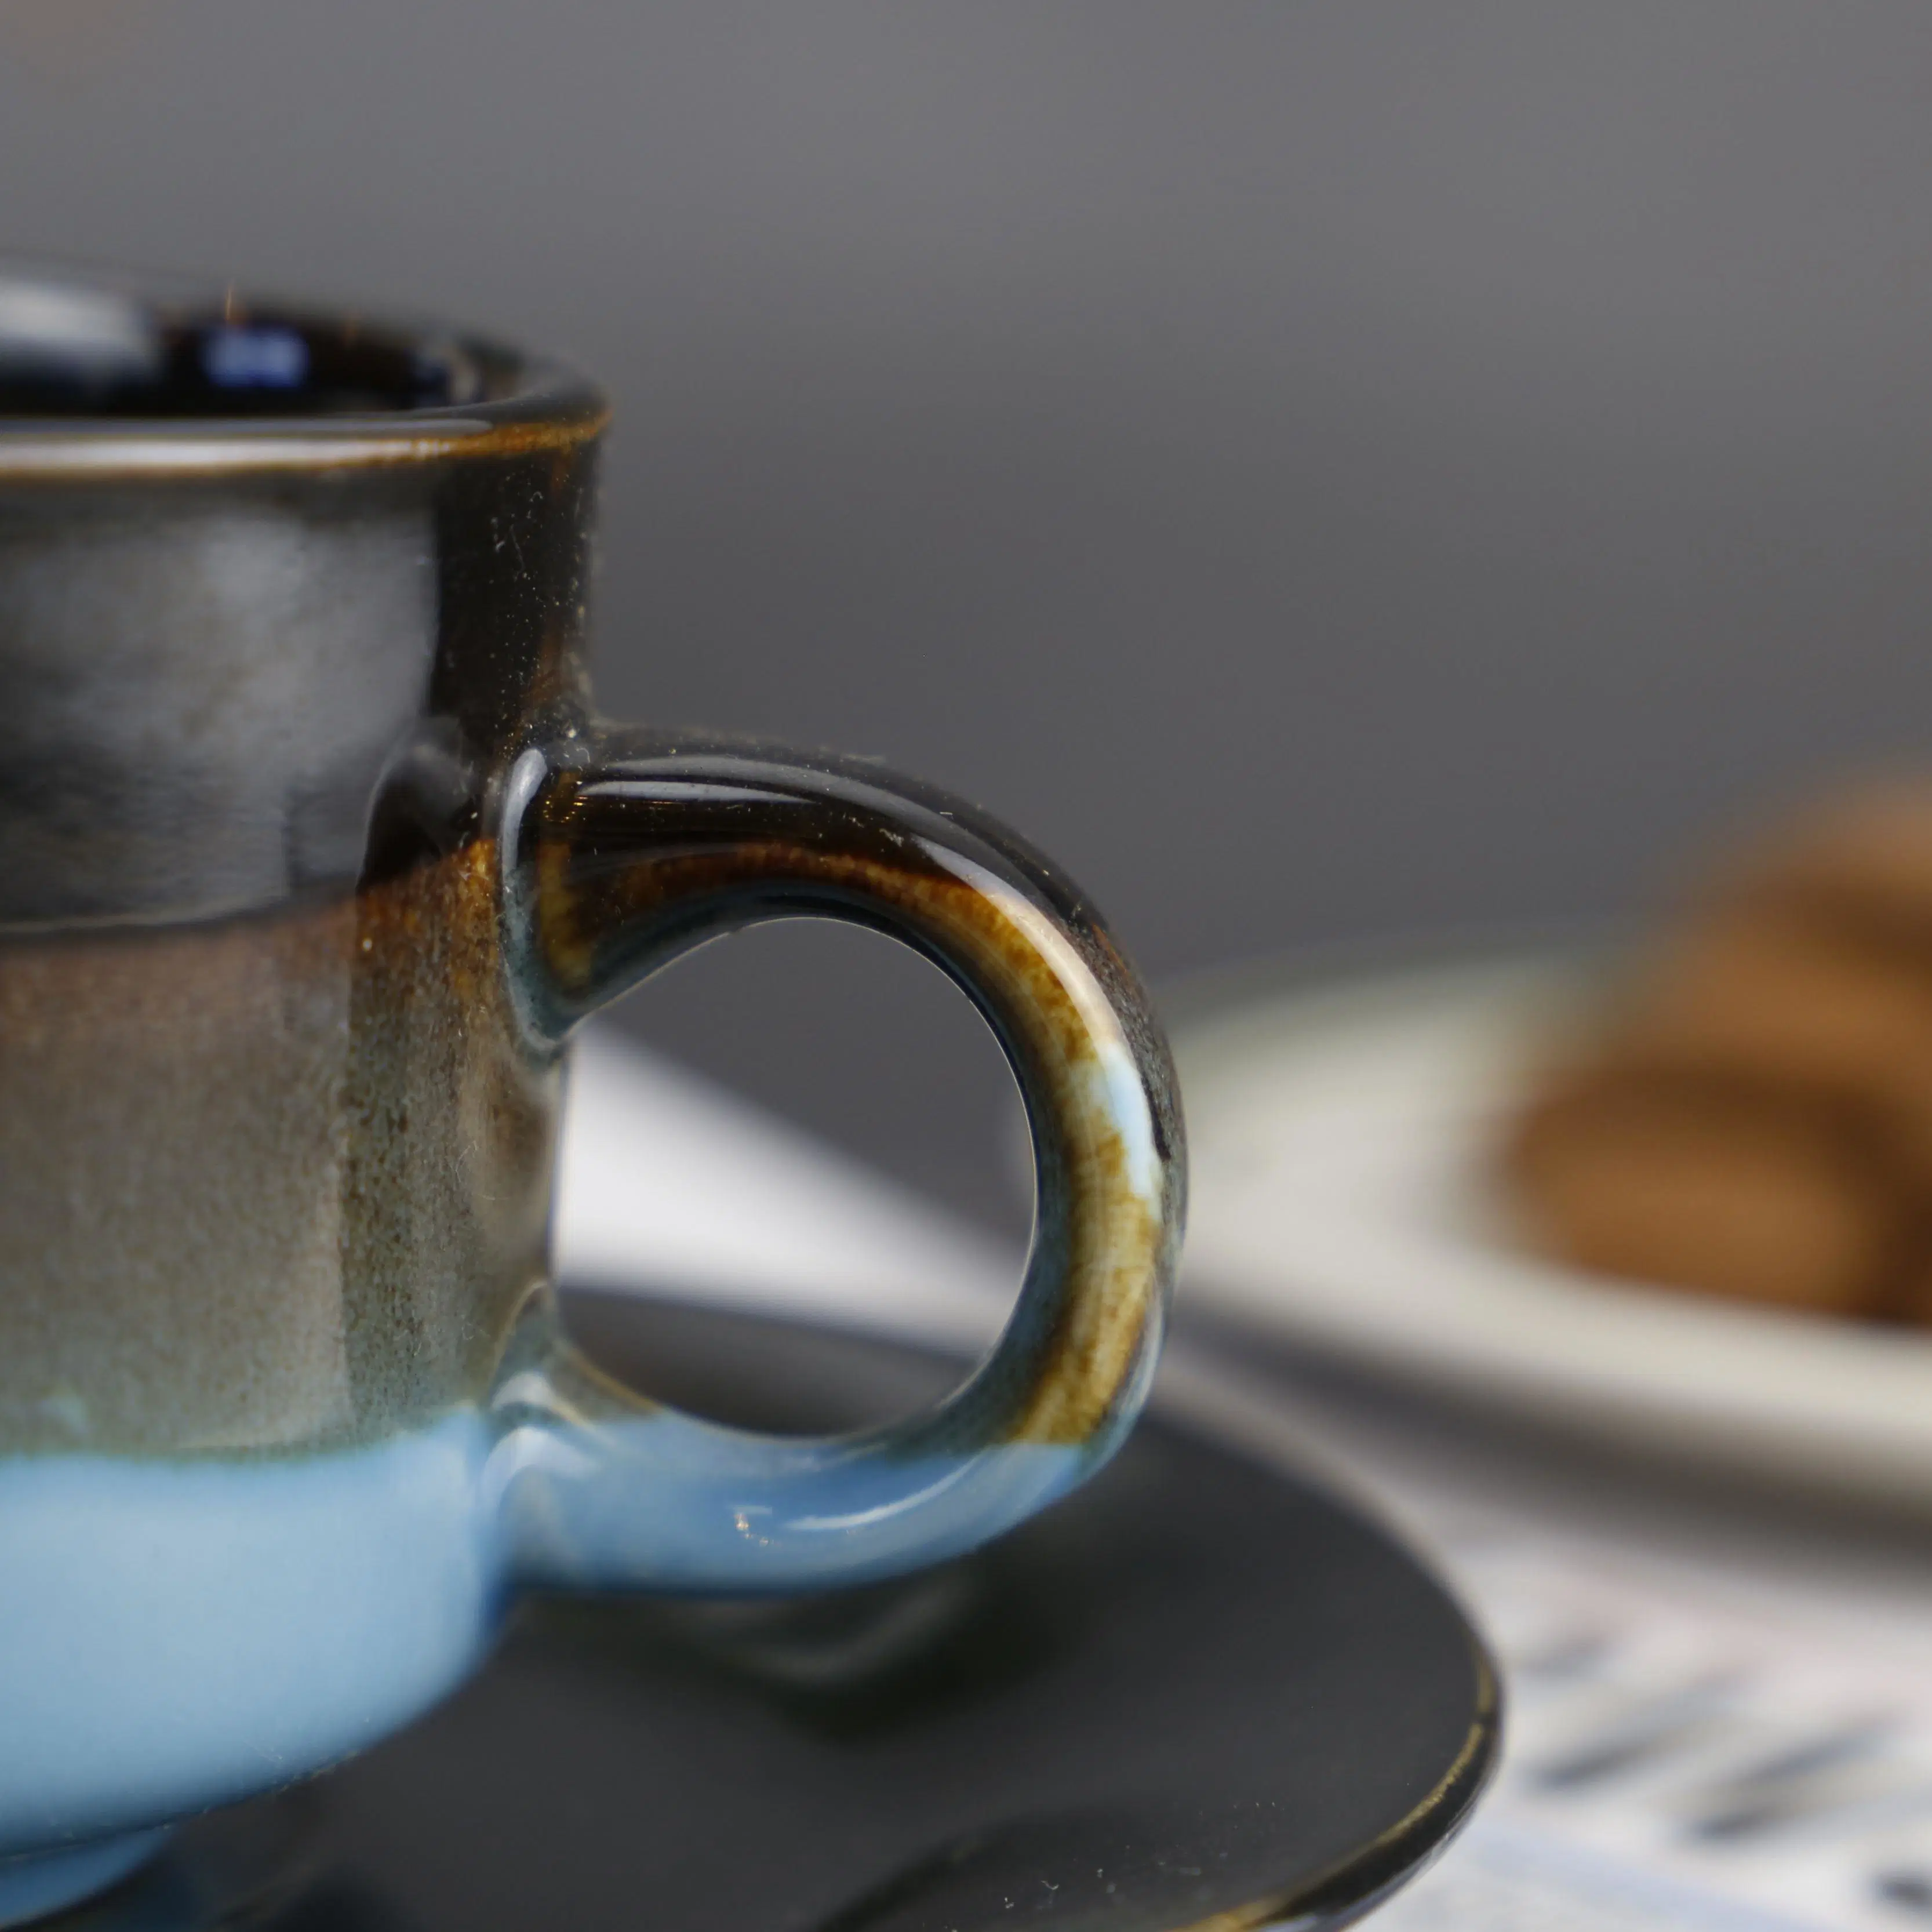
(312, 853)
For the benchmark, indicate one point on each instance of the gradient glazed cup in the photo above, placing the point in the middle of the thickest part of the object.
(312, 853)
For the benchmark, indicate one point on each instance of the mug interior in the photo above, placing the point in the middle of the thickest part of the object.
(71, 347)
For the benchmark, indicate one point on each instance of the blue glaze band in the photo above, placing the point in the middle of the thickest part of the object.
(177, 1633)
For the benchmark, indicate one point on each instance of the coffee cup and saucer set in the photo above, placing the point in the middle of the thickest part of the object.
(351, 1575)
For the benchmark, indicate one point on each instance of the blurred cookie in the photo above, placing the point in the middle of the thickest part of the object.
(1809, 1013)
(1671, 1183)
(1755, 1120)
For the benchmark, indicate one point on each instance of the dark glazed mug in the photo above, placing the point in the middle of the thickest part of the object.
(312, 853)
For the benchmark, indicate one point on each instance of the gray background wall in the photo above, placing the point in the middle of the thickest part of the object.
(1327, 471)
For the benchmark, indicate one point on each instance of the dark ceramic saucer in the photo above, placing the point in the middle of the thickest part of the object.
(1198, 1691)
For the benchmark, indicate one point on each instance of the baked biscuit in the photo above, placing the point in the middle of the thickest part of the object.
(1755, 1119)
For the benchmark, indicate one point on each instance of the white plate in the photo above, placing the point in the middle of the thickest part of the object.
(1343, 1136)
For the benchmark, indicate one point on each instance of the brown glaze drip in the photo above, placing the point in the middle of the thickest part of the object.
(451, 1135)
(640, 859)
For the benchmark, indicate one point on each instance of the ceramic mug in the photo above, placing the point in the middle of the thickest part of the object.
(312, 852)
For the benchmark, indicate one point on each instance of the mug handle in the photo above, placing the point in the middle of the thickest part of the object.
(623, 848)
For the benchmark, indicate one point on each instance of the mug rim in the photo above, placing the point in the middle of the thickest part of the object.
(96, 336)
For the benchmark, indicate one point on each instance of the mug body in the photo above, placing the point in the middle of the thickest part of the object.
(281, 597)
(312, 854)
